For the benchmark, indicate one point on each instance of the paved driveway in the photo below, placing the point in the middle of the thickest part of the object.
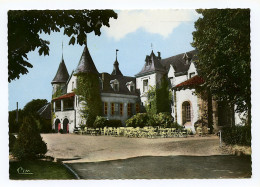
(106, 157)
(167, 167)
(84, 148)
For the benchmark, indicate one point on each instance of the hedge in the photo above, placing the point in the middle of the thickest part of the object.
(240, 135)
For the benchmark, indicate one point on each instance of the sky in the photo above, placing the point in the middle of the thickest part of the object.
(134, 33)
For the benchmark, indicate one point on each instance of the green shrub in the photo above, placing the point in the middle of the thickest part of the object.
(138, 120)
(174, 125)
(163, 119)
(12, 140)
(240, 135)
(114, 123)
(100, 122)
(29, 144)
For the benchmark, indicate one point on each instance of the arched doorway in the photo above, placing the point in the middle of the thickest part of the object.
(186, 112)
(57, 125)
(65, 125)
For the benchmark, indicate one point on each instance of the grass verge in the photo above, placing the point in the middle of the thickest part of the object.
(38, 169)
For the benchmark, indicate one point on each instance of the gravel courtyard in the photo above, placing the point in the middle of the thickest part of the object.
(82, 148)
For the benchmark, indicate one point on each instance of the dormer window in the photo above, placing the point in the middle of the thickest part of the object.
(115, 85)
(131, 86)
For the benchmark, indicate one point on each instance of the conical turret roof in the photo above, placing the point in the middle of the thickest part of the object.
(116, 70)
(152, 64)
(62, 74)
(86, 64)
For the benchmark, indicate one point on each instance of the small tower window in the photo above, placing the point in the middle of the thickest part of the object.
(145, 85)
(192, 74)
(72, 86)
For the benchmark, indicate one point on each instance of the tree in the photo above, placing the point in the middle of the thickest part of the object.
(29, 144)
(33, 106)
(13, 124)
(222, 38)
(24, 28)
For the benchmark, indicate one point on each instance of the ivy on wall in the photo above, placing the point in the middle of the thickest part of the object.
(58, 93)
(159, 98)
(89, 95)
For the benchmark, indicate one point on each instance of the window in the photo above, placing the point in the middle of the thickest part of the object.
(121, 109)
(72, 86)
(129, 109)
(192, 74)
(68, 104)
(186, 114)
(105, 108)
(112, 108)
(116, 107)
(137, 107)
(132, 88)
(145, 84)
(58, 105)
(116, 87)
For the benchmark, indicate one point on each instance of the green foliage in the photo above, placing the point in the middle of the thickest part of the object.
(145, 119)
(33, 106)
(13, 125)
(138, 120)
(100, 122)
(29, 144)
(89, 92)
(12, 140)
(240, 135)
(58, 93)
(159, 97)
(41, 170)
(114, 123)
(162, 119)
(222, 38)
(44, 125)
(25, 27)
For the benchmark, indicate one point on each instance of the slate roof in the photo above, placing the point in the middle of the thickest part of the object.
(116, 70)
(62, 74)
(86, 64)
(179, 64)
(45, 111)
(154, 65)
(122, 84)
(194, 81)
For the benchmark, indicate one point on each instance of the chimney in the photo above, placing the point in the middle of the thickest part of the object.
(159, 55)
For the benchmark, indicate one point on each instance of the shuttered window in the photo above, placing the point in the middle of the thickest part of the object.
(121, 109)
(137, 107)
(112, 108)
(129, 109)
(105, 108)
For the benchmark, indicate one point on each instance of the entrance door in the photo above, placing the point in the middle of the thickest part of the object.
(66, 126)
(57, 125)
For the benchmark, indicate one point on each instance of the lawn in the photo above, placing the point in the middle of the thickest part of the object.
(26, 170)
